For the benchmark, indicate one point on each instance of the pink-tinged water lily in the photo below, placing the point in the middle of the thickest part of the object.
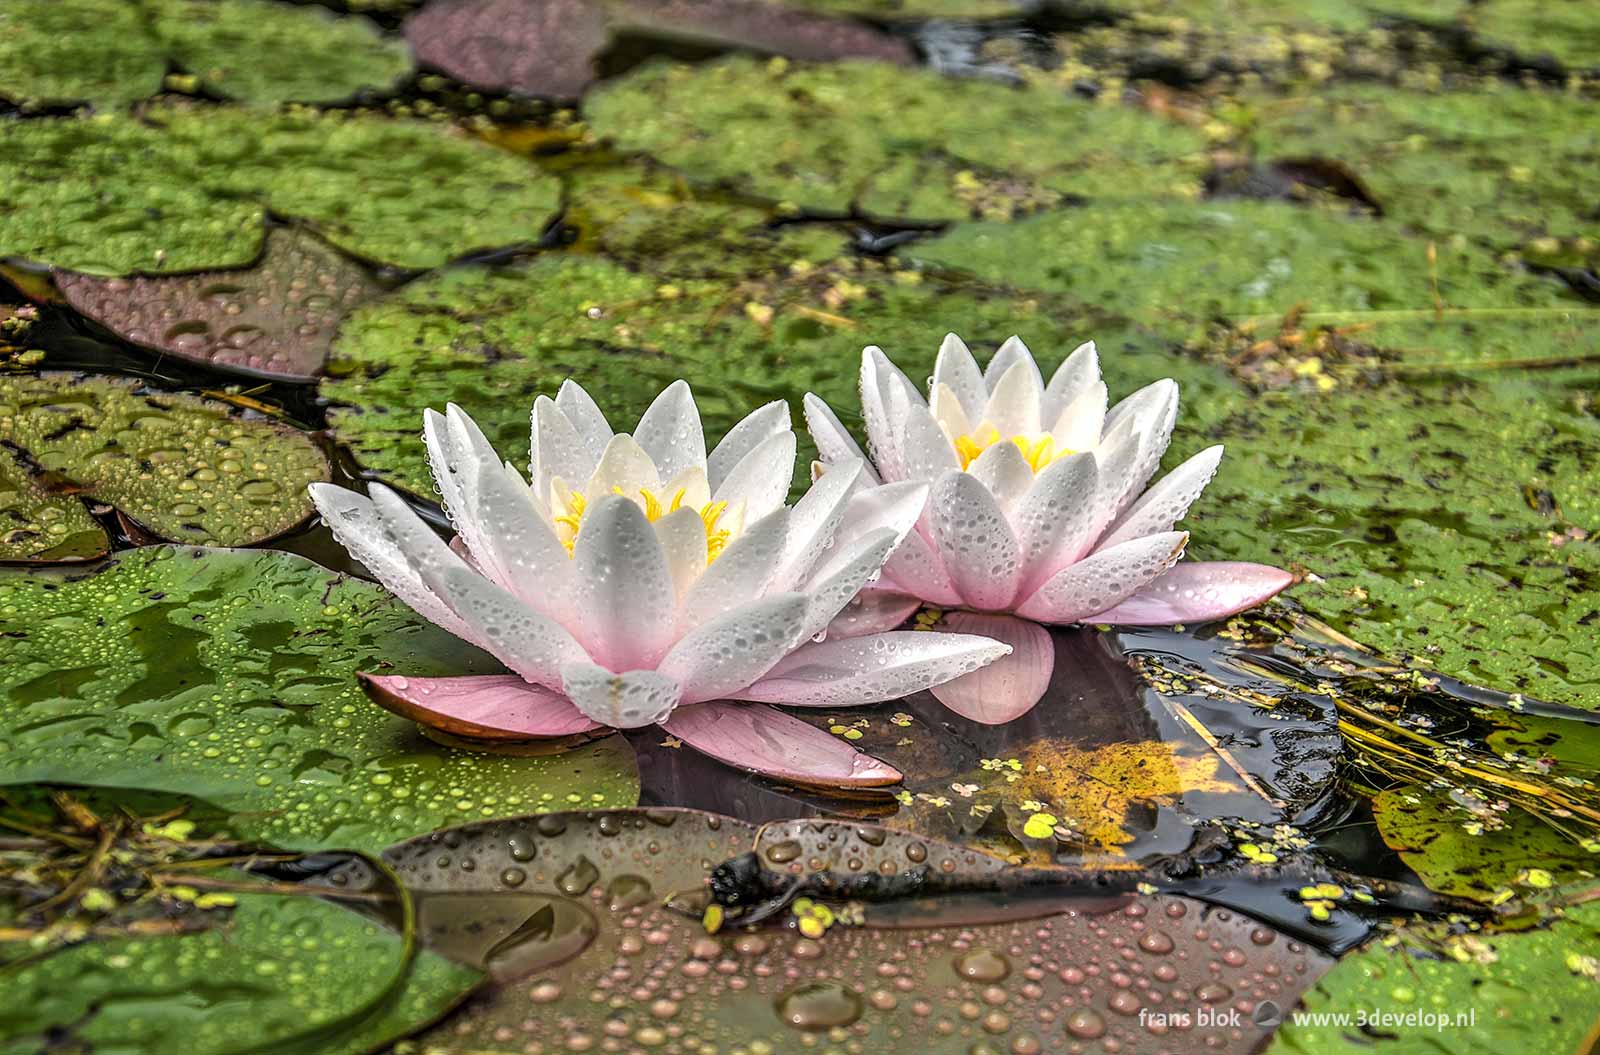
(635, 579)
(1037, 509)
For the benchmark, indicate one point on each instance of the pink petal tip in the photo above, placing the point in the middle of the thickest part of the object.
(1009, 687)
(484, 707)
(1197, 592)
(758, 738)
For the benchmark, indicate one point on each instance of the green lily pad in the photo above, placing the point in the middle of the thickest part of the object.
(36, 525)
(492, 339)
(111, 52)
(314, 977)
(230, 675)
(889, 141)
(1469, 994)
(184, 189)
(184, 467)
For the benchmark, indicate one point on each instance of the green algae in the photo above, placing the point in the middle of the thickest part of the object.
(185, 189)
(181, 466)
(492, 340)
(303, 970)
(230, 675)
(112, 52)
(888, 141)
(1529, 991)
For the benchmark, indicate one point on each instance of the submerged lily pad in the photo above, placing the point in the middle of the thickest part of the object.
(1426, 991)
(586, 951)
(184, 189)
(891, 142)
(276, 318)
(184, 467)
(230, 675)
(110, 52)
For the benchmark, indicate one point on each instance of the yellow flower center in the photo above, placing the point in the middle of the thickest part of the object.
(1039, 451)
(716, 537)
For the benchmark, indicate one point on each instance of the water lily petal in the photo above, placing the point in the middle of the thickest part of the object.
(723, 656)
(1014, 400)
(1055, 521)
(1103, 579)
(770, 742)
(873, 612)
(558, 449)
(357, 527)
(740, 574)
(1165, 504)
(886, 398)
(1197, 591)
(815, 519)
(1009, 687)
(854, 671)
(623, 701)
(957, 370)
(1012, 352)
(670, 432)
(916, 568)
(756, 426)
(625, 468)
(1115, 460)
(486, 706)
(683, 540)
(946, 408)
(842, 575)
(975, 542)
(622, 586)
(531, 644)
(760, 482)
(1005, 471)
(1152, 412)
(438, 443)
(1081, 423)
(519, 548)
(898, 505)
(833, 440)
(926, 450)
(587, 420)
(1077, 373)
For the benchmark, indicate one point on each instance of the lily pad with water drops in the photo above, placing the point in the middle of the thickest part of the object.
(1473, 992)
(40, 523)
(182, 467)
(594, 952)
(276, 318)
(107, 52)
(184, 188)
(231, 675)
(891, 142)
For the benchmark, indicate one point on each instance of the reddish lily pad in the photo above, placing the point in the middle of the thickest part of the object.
(549, 48)
(275, 319)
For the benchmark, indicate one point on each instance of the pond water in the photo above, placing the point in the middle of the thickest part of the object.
(245, 243)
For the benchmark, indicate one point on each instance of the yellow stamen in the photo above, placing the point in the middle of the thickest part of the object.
(1039, 450)
(716, 538)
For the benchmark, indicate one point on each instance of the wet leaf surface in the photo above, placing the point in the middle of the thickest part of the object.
(655, 977)
(890, 142)
(38, 525)
(107, 52)
(276, 318)
(230, 675)
(183, 467)
(184, 188)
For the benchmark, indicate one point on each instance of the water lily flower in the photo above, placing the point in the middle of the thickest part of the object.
(636, 580)
(1037, 509)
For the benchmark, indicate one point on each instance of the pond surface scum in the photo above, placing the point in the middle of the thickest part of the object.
(245, 243)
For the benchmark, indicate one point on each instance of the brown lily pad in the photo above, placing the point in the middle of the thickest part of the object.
(276, 318)
(550, 48)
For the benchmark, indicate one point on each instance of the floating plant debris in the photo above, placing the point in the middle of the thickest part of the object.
(276, 318)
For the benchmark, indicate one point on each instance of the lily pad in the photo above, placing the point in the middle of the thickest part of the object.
(184, 189)
(230, 675)
(1476, 994)
(603, 958)
(891, 142)
(110, 52)
(275, 319)
(184, 467)
(38, 525)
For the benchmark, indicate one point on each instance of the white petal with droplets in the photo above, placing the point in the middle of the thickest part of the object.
(670, 432)
(975, 542)
(860, 670)
(723, 656)
(1166, 503)
(623, 588)
(623, 701)
(1103, 579)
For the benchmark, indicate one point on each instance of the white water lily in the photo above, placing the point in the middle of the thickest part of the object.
(635, 579)
(1037, 507)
